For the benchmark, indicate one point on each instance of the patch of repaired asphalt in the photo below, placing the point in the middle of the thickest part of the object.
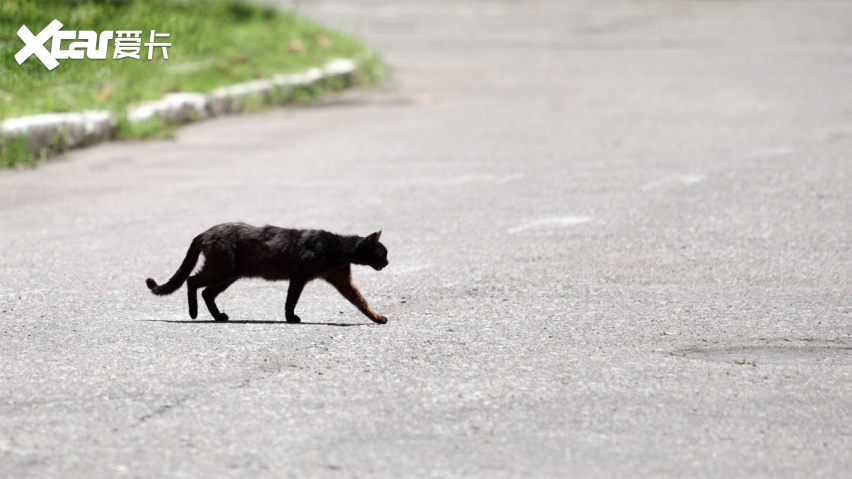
(779, 355)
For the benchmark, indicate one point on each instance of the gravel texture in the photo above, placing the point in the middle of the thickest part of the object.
(587, 207)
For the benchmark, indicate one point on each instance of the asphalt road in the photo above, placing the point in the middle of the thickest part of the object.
(620, 246)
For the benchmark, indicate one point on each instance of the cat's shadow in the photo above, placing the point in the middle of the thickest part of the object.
(247, 321)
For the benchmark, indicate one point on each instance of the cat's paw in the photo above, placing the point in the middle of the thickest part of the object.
(380, 319)
(292, 318)
(222, 317)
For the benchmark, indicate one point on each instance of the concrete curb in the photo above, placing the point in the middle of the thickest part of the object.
(53, 132)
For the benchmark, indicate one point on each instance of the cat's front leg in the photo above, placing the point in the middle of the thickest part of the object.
(342, 281)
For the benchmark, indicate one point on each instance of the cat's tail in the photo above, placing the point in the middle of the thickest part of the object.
(182, 273)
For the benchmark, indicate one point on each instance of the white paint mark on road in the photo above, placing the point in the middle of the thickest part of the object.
(769, 152)
(407, 268)
(471, 179)
(682, 180)
(550, 222)
(508, 178)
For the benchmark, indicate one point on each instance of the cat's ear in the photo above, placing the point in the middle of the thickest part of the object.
(374, 238)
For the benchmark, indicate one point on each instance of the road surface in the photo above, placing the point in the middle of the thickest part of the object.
(620, 246)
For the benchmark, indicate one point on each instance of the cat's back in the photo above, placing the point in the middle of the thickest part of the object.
(242, 237)
(243, 232)
(231, 232)
(279, 238)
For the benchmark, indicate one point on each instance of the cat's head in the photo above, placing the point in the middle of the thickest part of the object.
(372, 253)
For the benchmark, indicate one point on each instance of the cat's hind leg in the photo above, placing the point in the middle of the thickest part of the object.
(211, 274)
(192, 297)
(209, 294)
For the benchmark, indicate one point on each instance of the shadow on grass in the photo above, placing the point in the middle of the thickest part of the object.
(210, 321)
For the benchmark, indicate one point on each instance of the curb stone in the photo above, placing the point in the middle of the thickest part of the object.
(62, 131)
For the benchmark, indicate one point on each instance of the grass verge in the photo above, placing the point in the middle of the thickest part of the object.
(214, 43)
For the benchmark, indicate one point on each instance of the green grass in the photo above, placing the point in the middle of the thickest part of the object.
(214, 43)
(15, 152)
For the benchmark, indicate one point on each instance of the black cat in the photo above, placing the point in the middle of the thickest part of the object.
(237, 250)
